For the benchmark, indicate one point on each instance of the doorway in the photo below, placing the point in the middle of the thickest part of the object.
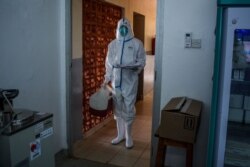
(139, 32)
(98, 30)
(97, 147)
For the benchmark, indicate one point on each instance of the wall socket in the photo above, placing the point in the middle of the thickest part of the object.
(191, 43)
(196, 43)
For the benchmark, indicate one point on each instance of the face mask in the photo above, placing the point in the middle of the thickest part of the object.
(123, 30)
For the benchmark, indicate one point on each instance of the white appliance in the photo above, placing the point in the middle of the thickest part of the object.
(28, 142)
(234, 84)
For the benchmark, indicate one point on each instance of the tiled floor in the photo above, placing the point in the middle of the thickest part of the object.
(97, 147)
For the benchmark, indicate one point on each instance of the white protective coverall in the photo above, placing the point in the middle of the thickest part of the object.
(125, 60)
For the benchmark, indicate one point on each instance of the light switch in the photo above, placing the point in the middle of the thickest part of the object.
(188, 40)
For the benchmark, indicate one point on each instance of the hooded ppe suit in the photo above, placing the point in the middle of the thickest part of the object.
(125, 60)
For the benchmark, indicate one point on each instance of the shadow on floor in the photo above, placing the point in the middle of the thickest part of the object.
(62, 160)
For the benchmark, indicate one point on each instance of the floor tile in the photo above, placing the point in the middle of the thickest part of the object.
(101, 156)
(136, 153)
(146, 154)
(123, 160)
(97, 147)
(142, 163)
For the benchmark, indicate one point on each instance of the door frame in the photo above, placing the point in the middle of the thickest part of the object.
(223, 5)
(140, 92)
(157, 77)
(215, 91)
(68, 62)
(141, 15)
(160, 26)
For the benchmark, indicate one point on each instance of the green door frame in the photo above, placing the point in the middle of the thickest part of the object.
(215, 91)
(222, 5)
(229, 3)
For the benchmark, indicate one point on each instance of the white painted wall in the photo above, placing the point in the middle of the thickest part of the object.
(32, 58)
(188, 72)
(76, 29)
(146, 8)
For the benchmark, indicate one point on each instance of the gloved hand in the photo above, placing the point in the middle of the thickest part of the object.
(118, 93)
(117, 65)
(104, 84)
(134, 68)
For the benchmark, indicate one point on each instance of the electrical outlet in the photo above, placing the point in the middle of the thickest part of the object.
(196, 43)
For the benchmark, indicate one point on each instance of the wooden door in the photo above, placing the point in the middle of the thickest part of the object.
(99, 25)
(139, 32)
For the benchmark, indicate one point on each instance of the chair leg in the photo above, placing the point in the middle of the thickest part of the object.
(189, 155)
(161, 152)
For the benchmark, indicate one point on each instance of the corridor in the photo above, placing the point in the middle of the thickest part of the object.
(97, 147)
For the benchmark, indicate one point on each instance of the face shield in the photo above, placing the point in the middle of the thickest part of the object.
(123, 30)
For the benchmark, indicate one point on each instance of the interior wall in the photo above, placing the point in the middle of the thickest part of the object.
(124, 4)
(76, 71)
(76, 29)
(147, 8)
(32, 49)
(188, 72)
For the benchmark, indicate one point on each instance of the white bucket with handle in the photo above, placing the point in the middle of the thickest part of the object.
(101, 101)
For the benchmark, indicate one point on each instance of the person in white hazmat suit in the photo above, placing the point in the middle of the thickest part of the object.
(125, 60)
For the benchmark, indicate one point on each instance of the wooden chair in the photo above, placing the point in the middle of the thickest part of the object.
(165, 142)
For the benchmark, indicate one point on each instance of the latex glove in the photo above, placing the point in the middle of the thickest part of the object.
(118, 93)
(104, 84)
(117, 65)
(134, 68)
